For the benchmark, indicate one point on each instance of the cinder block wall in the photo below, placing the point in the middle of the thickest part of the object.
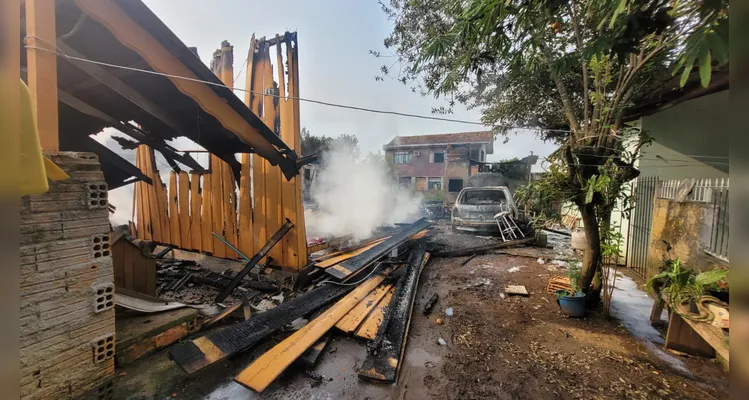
(683, 225)
(67, 288)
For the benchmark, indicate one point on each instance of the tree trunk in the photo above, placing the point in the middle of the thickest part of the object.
(593, 294)
(592, 256)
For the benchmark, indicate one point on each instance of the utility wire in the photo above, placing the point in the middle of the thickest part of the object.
(325, 103)
(61, 53)
(240, 71)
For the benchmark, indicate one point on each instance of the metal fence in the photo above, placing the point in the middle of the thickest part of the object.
(719, 228)
(638, 240)
(699, 190)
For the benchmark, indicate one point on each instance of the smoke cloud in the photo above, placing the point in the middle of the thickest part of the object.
(356, 197)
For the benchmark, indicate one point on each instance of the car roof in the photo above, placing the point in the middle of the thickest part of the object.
(465, 189)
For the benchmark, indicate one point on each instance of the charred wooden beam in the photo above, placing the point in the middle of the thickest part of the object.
(133, 132)
(254, 260)
(192, 356)
(123, 89)
(484, 249)
(108, 156)
(383, 364)
(355, 264)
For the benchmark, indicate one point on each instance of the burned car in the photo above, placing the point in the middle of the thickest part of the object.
(476, 207)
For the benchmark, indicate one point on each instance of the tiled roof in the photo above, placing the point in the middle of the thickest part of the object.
(443, 138)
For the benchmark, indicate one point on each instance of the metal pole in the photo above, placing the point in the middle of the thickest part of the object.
(230, 246)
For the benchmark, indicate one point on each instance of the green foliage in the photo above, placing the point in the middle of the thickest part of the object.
(433, 195)
(611, 242)
(571, 67)
(681, 285)
(574, 273)
(596, 184)
(312, 144)
(546, 195)
(707, 44)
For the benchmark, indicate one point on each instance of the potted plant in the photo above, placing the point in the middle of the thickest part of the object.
(682, 286)
(572, 302)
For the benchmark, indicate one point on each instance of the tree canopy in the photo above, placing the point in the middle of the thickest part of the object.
(570, 69)
(320, 145)
(557, 64)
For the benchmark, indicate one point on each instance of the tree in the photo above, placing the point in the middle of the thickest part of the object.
(321, 145)
(569, 67)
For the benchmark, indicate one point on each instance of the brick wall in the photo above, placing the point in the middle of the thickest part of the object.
(67, 289)
(420, 165)
(457, 166)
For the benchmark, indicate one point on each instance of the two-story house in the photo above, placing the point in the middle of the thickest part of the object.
(438, 162)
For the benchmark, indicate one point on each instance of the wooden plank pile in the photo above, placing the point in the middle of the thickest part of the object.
(366, 291)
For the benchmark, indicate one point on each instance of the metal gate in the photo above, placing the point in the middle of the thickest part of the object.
(638, 240)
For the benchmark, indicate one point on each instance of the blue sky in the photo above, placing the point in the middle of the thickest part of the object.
(334, 65)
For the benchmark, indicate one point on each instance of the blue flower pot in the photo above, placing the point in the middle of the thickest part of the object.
(573, 306)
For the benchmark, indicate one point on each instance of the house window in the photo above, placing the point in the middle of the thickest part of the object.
(403, 157)
(482, 154)
(421, 183)
(454, 185)
(434, 183)
(475, 154)
(404, 181)
(437, 157)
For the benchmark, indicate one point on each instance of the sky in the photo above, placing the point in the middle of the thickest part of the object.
(334, 65)
(335, 37)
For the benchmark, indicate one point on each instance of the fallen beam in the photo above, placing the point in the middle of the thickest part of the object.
(483, 249)
(269, 366)
(223, 314)
(194, 355)
(309, 358)
(351, 321)
(370, 326)
(383, 364)
(353, 265)
(346, 255)
(285, 228)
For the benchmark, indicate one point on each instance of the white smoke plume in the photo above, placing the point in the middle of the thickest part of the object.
(355, 197)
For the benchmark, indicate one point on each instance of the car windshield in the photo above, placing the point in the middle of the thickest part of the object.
(475, 197)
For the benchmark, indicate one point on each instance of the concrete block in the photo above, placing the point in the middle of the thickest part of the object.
(70, 233)
(31, 236)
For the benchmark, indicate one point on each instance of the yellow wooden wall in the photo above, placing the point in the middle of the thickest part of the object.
(248, 212)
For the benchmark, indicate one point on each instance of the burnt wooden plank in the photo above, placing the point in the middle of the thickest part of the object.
(265, 369)
(484, 249)
(194, 355)
(383, 362)
(254, 260)
(355, 264)
(309, 358)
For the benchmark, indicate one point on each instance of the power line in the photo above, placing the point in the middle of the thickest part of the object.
(61, 53)
(240, 71)
(325, 103)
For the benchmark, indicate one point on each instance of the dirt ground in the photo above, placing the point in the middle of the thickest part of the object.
(497, 347)
(524, 348)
